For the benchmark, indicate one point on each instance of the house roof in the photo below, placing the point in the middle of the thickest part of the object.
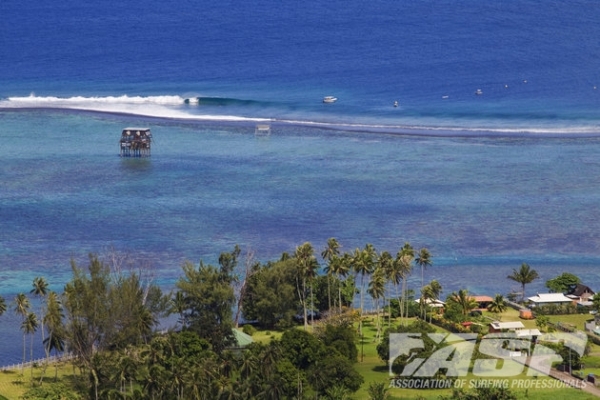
(134, 128)
(482, 298)
(579, 289)
(528, 332)
(550, 298)
(432, 303)
(242, 339)
(507, 325)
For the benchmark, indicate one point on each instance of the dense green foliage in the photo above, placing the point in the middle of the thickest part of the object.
(105, 311)
(563, 282)
(271, 297)
(208, 299)
(108, 311)
(487, 393)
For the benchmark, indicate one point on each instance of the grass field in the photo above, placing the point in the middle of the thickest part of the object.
(14, 383)
(375, 370)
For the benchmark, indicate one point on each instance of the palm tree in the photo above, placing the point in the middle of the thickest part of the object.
(394, 275)
(56, 330)
(338, 392)
(22, 308)
(498, 305)
(340, 267)
(54, 313)
(523, 276)
(377, 291)
(29, 327)
(404, 259)
(426, 297)
(423, 260)
(431, 292)
(40, 288)
(385, 262)
(55, 341)
(306, 270)
(364, 262)
(178, 305)
(378, 391)
(436, 289)
(248, 365)
(462, 299)
(331, 251)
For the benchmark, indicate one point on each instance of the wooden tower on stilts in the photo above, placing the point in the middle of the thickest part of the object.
(135, 142)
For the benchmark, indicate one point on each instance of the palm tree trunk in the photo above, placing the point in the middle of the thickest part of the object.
(302, 297)
(31, 355)
(362, 289)
(402, 301)
(304, 303)
(390, 312)
(23, 365)
(406, 299)
(329, 291)
(312, 306)
(340, 295)
(378, 320)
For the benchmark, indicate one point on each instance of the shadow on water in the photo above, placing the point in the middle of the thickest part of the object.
(136, 164)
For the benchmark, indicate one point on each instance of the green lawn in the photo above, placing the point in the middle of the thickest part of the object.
(577, 320)
(13, 384)
(374, 370)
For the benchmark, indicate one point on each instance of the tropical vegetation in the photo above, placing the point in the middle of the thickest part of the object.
(105, 323)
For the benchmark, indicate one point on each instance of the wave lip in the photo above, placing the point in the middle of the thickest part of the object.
(166, 106)
(82, 100)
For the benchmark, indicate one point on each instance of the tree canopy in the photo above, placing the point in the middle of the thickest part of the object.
(563, 282)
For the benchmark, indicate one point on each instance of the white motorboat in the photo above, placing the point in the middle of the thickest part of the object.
(329, 99)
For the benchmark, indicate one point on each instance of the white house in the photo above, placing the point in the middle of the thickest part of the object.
(498, 326)
(543, 299)
(515, 327)
(432, 303)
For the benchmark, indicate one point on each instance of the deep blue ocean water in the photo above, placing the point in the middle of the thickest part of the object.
(486, 182)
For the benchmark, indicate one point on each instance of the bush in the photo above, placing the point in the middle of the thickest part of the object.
(249, 329)
(554, 309)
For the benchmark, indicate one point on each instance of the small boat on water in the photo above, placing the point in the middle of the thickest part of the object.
(478, 92)
(329, 99)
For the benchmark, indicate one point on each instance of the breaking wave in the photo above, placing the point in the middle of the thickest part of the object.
(239, 110)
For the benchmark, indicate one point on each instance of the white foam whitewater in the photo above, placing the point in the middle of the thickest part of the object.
(166, 106)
